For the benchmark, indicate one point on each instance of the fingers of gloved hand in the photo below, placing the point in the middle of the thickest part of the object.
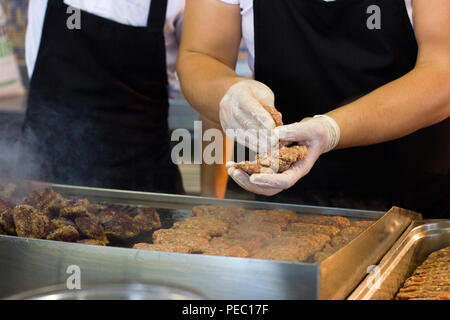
(243, 180)
(250, 113)
(288, 178)
(299, 131)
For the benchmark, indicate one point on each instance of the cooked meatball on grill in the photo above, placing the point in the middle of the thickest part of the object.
(228, 214)
(283, 253)
(213, 226)
(148, 219)
(91, 230)
(162, 247)
(308, 228)
(47, 201)
(30, 223)
(6, 218)
(336, 221)
(65, 233)
(118, 225)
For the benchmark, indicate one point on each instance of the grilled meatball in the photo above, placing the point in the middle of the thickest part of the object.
(148, 219)
(339, 241)
(65, 233)
(6, 218)
(249, 245)
(118, 225)
(250, 235)
(162, 247)
(62, 222)
(92, 242)
(314, 241)
(226, 251)
(90, 229)
(160, 235)
(47, 201)
(229, 214)
(271, 228)
(195, 244)
(308, 228)
(282, 253)
(264, 216)
(213, 226)
(337, 221)
(30, 223)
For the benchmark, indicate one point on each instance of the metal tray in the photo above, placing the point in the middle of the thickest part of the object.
(28, 264)
(418, 241)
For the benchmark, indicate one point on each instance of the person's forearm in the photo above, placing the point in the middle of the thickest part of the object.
(419, 99)
(205, 81)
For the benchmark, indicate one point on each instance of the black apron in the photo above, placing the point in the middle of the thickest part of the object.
(98, 103)
(317, 56)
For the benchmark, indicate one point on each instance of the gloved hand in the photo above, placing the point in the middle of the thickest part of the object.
(320, 134)
(243, 117)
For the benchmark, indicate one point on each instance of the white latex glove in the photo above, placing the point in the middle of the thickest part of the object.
(320, 134)
(243, 117)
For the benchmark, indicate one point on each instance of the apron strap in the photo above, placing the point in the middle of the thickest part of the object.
(157, 15)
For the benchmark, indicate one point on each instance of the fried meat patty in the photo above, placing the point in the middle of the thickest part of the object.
(118, 225)
(6, 217)
(271, 228)
(47, 201)
(65, 233)
(213, 226)
(336, 221)
(309, 228)
(30, 222)
(91, 230)
(148, 219)
(162, 247)
(362, 224)
(249, 245)
(314, 241)
(431, 280)
(228, 214)
(282, 253)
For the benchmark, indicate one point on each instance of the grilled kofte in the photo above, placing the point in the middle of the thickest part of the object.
(31, 223)
(309, 228)
(65, 233)
(91, 229)
(6, 218)
(148, 219)
(431, 280)
(211, 225)
(336, 221)
(118, 225)
(47, 201)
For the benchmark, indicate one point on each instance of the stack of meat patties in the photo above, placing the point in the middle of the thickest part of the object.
(431, 280)
(45, 214)
(262, 234)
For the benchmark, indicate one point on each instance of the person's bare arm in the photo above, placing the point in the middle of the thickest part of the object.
(208, 53)
(417, 100)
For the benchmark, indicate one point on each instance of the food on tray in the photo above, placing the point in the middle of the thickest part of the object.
(271, 228)
(65, 233)
(118, 225)
(90, 229)
(162, 247)
(229, 214)
(275, 161)
(314, 241)
(280, 217)
(92, 242)
(337, 221)
(62, 222)
(30, 222)
(283, 252)
(6, 218)
(327, 251)
(301, 227)
(148, 219)
(431, 280)
(47, 201)
(251, 235)
(218, 249)
(249, 245)
(213, 226)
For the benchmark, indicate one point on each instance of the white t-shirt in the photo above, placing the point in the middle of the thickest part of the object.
(129, 12)
(248, 27)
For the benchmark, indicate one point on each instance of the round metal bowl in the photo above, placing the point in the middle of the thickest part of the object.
(110, 291)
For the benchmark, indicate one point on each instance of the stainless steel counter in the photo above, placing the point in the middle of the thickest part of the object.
(28, 264)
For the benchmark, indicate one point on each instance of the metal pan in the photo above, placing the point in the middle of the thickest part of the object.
(406, 255)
